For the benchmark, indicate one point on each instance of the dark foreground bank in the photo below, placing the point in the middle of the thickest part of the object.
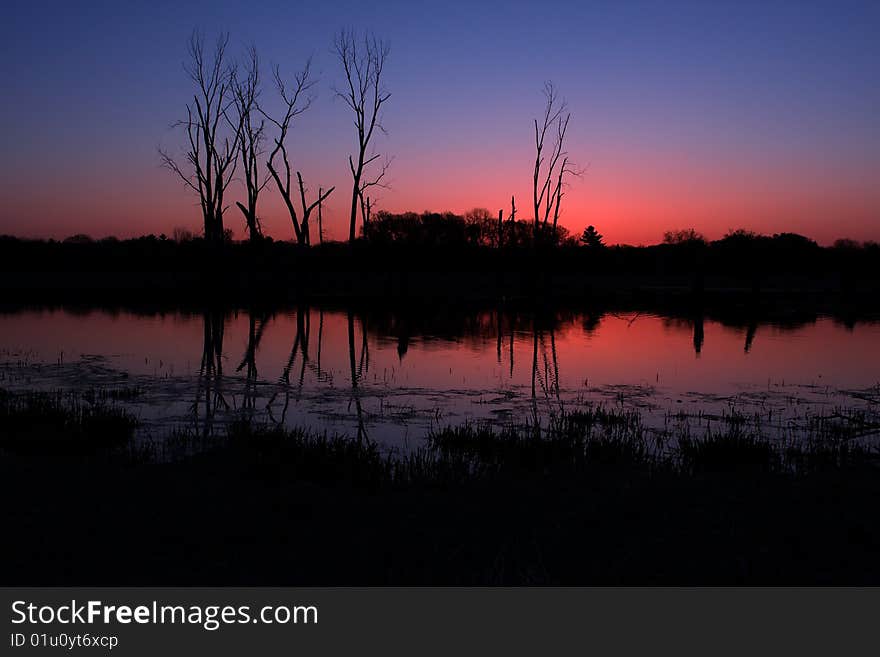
(594, 498)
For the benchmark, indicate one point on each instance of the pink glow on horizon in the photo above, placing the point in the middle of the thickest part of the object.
(631, 199)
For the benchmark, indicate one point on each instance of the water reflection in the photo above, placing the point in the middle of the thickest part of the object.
(256, 327)
(357, 372)
(299, 349)
(377, 372)
(210, 380)
(699, 336)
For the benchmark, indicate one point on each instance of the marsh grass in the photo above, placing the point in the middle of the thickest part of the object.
(570, 443)
(60, 424)
(308, 455)
(573, 444)
(596, 437)
(732, 451)
(590, 496)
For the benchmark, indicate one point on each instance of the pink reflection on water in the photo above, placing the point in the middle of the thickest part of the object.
(458, 372)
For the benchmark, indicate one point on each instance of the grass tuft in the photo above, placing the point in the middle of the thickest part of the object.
(59, 424)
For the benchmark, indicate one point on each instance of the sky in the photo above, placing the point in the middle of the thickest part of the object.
(712, 115)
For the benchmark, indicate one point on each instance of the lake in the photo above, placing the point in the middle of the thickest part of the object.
(395, 375)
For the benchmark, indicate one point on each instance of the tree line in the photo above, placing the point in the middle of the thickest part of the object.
(229, 133)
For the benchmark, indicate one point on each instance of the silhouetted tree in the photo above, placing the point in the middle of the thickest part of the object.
(549, 179)
(685, 236)
(428, 229)
(740, 236)
(363, 62)
(296, 101)
(245, 95)
(592, 238)
(320, 215)
(212, 150)
(181, 234)
(366, 208)
(482, 228)
(847, 244)
(79, 238)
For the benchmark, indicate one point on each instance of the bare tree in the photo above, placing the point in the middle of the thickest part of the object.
(549, 173)
(557, 191)
(511, 222)
(566, 169)
(369, 204)
(212, 154)
(363, 61)
(320, 215)
(246, 90)
(296, 100)
(366, 210)
(500, 230)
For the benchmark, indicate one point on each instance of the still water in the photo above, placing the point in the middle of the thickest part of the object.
(394, 376)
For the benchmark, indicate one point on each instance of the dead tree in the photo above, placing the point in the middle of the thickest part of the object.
(511, 221)
(549, 173)
(368, 204)
(363, 62)
(500, 229)
(566, 169)
(296, 100)
(307, 208)
(212, 154)
(367, 207)
(246, 114)
(366, 210)
(320, 216)
(558, 193)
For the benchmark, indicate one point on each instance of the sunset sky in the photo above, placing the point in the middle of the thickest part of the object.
(763, 115)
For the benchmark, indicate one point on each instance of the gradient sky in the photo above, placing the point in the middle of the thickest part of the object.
(761, 115)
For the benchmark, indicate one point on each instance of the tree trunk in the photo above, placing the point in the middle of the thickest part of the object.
(500, 228)
(320, 215)
(354, 208)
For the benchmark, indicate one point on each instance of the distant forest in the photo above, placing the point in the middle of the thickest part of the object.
(448, 243)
